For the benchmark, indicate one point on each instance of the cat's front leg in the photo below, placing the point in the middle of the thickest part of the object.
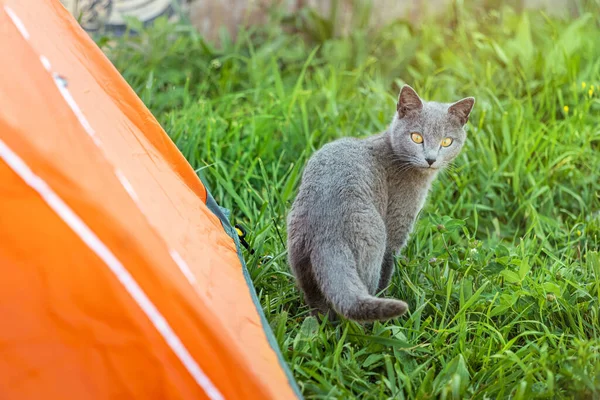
(387, 269)
(397, 238)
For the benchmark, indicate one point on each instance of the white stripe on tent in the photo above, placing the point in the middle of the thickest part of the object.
(45, 63)
(17, 21)
(104, 253)
(62, 87)
(185, 269)
(127, 185)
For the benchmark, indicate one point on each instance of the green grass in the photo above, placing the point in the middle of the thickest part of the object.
(502, 272)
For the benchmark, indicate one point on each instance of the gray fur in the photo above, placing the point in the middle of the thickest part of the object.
(358, 201)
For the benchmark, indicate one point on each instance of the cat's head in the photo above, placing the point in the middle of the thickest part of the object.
(428, 135)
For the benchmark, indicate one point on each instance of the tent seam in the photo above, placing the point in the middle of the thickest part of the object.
(216, 209)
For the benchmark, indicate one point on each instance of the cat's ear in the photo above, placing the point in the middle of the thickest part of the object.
(462, 109)
(408, 101)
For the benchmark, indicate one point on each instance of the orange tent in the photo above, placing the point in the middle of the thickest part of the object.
(121, 279)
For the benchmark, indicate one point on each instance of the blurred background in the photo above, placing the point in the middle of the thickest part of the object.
(210, 16)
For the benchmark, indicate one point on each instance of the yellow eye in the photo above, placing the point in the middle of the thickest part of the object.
(416, 138)
(447, 142)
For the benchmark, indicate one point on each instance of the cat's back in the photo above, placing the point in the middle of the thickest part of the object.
(344, 163)
(341, 175)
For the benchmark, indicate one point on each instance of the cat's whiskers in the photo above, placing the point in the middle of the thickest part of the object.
(403, 166)
(404, 159)
(450, 167)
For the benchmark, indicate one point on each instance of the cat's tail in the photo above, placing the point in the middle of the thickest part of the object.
(335, 271)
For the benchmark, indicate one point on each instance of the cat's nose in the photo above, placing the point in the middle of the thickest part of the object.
(430, 160)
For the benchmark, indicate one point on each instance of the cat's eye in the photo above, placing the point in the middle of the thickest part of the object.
(416, 138)
(447, 142)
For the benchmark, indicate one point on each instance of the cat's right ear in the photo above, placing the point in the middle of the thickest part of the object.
(408, 101)
(462, 109)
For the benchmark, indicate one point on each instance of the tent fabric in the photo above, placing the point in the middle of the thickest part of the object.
(118, 280)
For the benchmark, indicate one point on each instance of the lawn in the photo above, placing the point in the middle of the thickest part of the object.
(502, 272)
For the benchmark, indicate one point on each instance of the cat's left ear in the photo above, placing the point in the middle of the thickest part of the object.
(408, 101)
(462, 109)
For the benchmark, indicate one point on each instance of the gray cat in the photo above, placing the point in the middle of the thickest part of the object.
(358, 201)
